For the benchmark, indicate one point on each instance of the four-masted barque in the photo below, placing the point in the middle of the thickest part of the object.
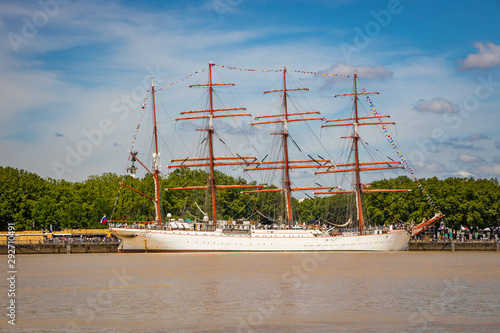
(213, 234)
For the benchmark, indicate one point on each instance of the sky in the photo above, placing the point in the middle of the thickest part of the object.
(74, 74)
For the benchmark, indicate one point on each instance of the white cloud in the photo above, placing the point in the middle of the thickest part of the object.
(369, 72)
(429, 166)
(489, 169)
(67, 78)
(464, 174)
(488, 56)
(436, 105)
(468, 158)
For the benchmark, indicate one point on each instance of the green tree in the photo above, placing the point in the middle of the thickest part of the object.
(25, 197)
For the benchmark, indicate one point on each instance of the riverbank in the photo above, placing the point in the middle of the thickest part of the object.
(64, 248)
(416, 245)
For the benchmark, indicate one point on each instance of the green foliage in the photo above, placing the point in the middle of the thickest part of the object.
(463, 201)
(19, 194)
(25, 197)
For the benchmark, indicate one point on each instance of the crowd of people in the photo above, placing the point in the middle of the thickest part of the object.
(75, 240)
(449, 235)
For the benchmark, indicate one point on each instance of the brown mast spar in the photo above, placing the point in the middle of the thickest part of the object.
(156, 169)
(156, 160)
(286, 164)
(357, 167)
(212, 161)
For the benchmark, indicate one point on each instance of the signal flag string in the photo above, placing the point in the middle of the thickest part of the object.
(143, 107)
(184, 78)
(279, 70)
(401, 157)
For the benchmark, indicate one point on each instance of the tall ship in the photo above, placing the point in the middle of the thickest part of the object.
(261, 233)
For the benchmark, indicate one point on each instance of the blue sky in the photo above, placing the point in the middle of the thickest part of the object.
(68, 67)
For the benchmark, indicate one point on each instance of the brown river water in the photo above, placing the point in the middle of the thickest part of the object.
(256, 292)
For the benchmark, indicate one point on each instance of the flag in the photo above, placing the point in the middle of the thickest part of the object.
(104, 219)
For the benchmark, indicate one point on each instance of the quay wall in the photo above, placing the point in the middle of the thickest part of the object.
(48, 248)
(453, 246)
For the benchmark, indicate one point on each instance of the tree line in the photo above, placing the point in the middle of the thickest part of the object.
(33, 202)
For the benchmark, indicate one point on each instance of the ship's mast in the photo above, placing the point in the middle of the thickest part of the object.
(212, 161)
(355, 122)
(286, 164)
(356, 154)
(156, 159)
(156, 168)
(210, 130)
(286, 181)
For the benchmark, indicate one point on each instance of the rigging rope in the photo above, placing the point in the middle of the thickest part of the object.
(143, 107)
(398, 152)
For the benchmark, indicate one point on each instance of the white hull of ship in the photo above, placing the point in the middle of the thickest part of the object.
(154, 240)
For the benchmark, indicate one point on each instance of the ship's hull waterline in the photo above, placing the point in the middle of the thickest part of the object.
(153, 240)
